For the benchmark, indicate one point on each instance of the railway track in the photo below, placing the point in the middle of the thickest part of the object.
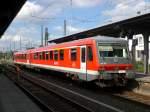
(58, 99)
(48, 99)
(93, 105)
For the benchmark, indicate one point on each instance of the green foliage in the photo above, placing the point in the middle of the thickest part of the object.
(139, 66)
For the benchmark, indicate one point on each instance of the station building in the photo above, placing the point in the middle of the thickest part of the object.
(139, 52)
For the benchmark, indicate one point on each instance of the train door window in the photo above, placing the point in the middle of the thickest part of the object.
(51, 55)
(56, 55)
(43, 55)
(47, 55)
(61, 54)
(83, 55)
(89, 53)
(73, 54)
(40, 55)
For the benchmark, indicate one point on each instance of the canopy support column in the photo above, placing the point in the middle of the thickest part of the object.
(146, 52)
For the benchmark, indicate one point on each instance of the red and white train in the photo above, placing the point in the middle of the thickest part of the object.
(104, 60)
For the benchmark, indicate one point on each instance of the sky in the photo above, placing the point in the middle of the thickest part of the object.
(80, 15)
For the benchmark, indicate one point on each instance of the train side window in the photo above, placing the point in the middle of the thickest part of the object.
(61, 54)
(51, 55)
(47, 55)
(40, 55)
(90, 53)
(25, 56)
(43, 55)
(22, 56)
(35, 56)
(56, 55)
(73, 54)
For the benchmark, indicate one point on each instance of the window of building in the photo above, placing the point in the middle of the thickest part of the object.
(56, 55)
(47, 55)
(73, 54)
(89, 53)
(61, 54)
(140, 54)
(51, 55)
(140, 40)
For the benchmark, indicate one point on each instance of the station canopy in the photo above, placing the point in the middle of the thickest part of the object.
(8, 11)
(128, 27)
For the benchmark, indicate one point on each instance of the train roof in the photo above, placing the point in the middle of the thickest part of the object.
(108, 39)
(100, 39)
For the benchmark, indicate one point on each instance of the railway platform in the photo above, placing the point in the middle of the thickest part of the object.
(143, 84)
(12, 99)
(143, 77)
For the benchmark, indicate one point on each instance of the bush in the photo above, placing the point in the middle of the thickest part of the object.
(139, 66)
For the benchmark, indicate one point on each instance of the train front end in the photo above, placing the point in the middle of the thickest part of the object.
(115, 65)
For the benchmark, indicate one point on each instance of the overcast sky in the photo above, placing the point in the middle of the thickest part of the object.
(79, 14)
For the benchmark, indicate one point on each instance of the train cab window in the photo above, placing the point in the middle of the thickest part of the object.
(61, 54)
(43, 55)
(89, 53)
(40, 55)
(56, 55)
(51, 55)
(73, 54)
(47, 55)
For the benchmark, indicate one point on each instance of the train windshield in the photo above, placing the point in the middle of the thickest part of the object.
(113, 53)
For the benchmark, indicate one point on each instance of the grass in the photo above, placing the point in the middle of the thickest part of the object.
(139, 66)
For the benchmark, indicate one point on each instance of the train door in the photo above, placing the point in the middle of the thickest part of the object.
(28, 62)
(83, 60)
